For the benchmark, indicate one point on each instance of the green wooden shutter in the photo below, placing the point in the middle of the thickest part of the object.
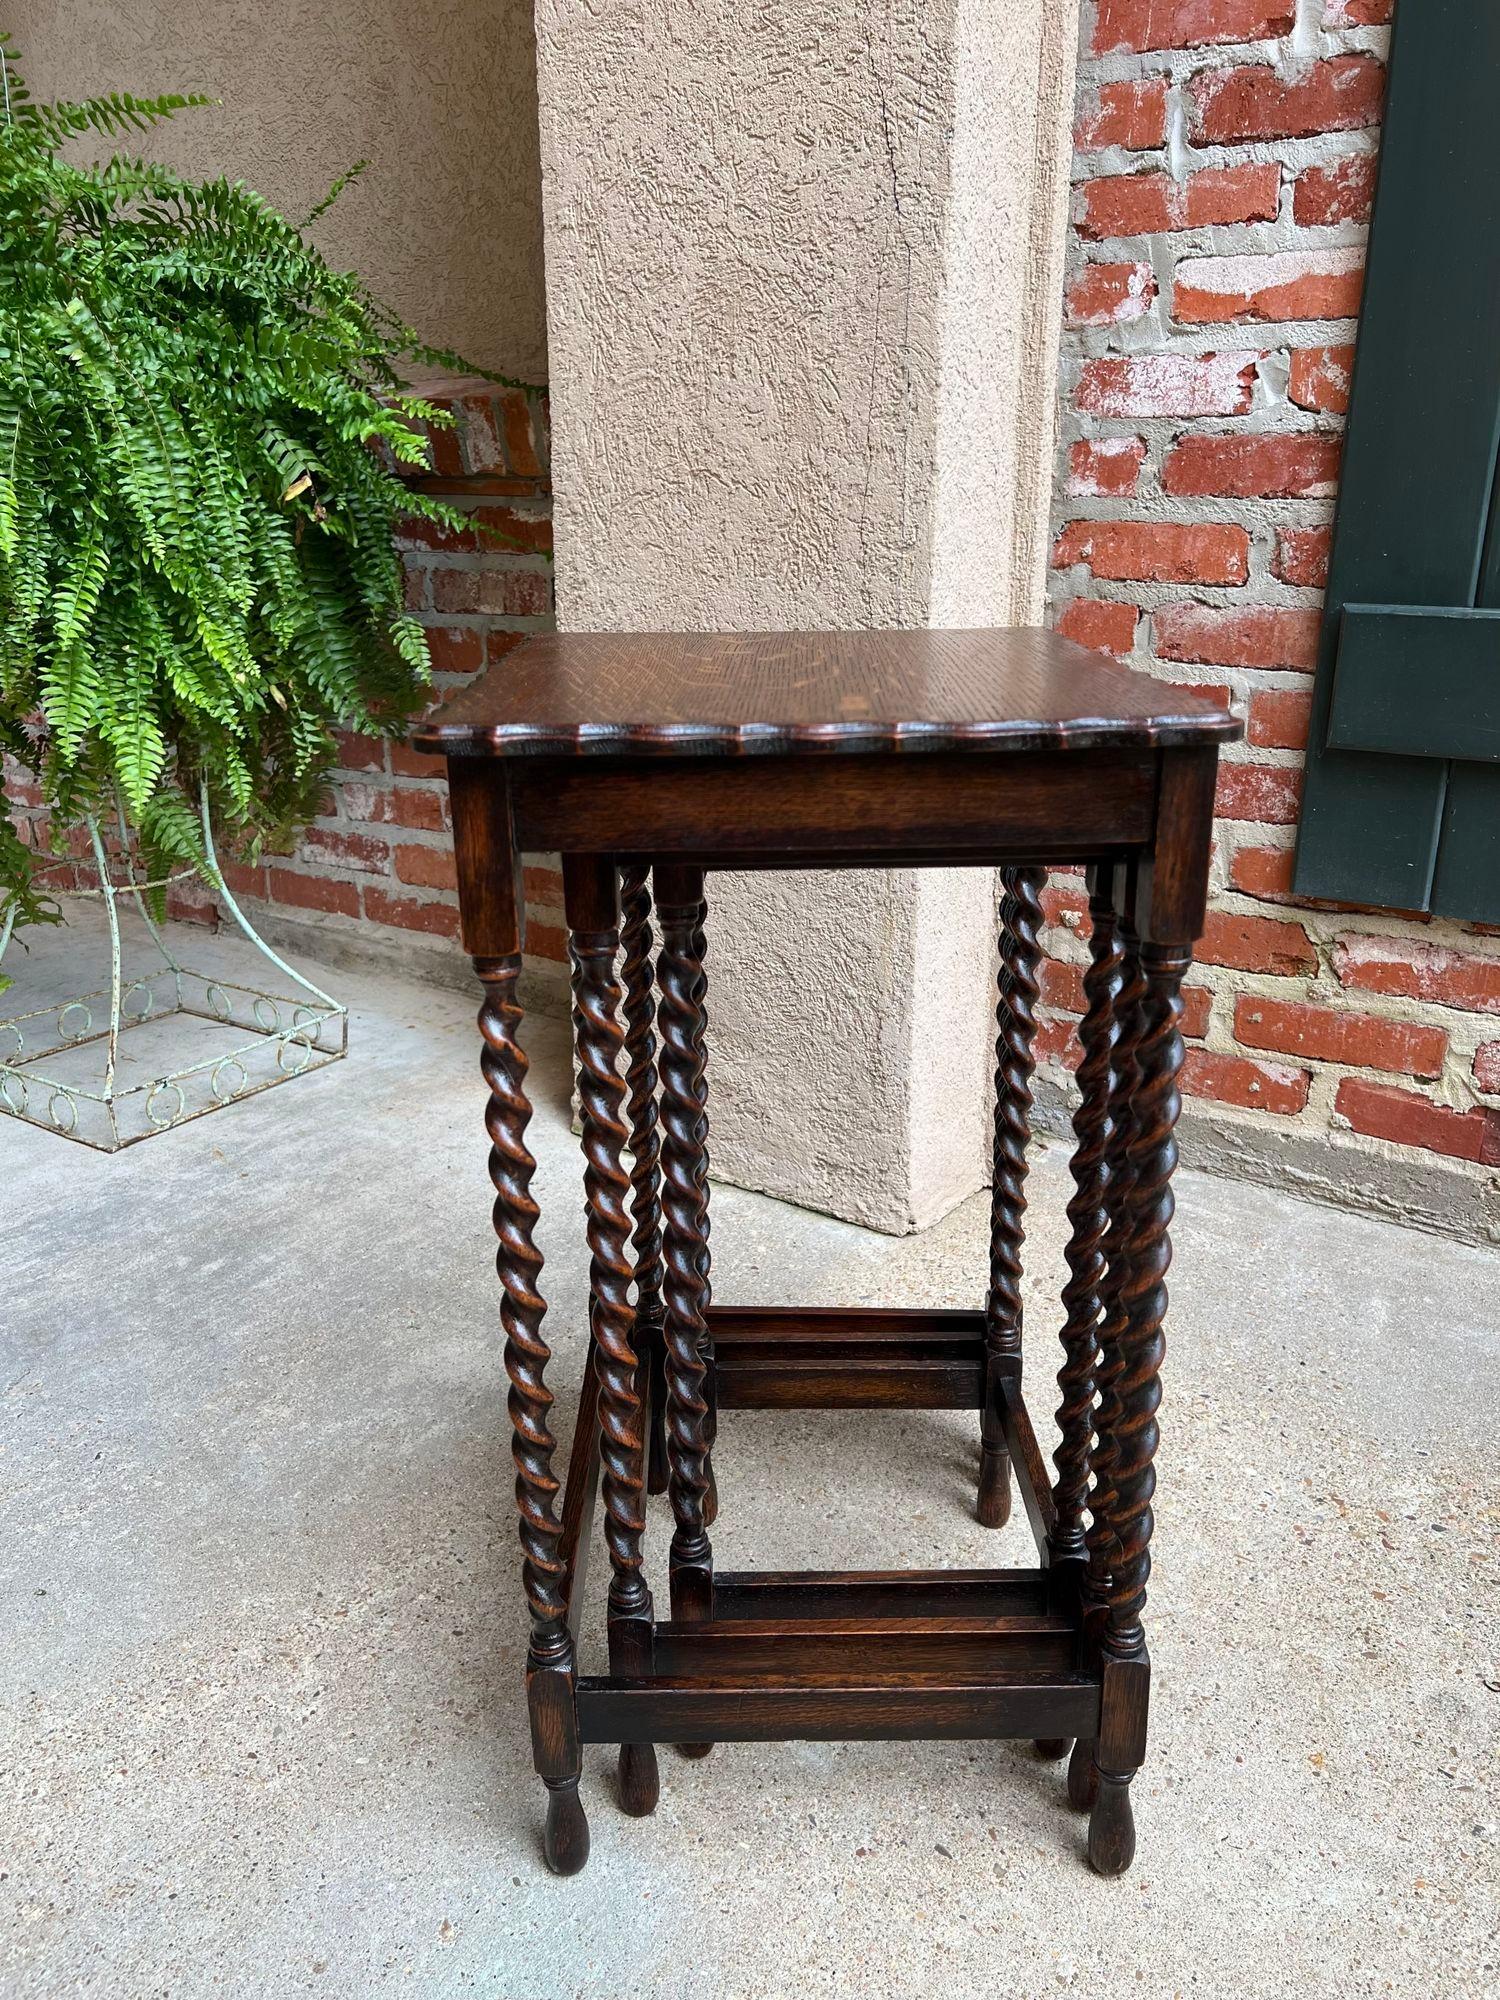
(1402, 806)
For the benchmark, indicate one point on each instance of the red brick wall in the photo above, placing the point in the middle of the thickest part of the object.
(1224, 164)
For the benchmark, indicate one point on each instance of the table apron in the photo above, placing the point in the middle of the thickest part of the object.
(810, 812)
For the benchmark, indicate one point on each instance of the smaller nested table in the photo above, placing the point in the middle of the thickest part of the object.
(649, 761)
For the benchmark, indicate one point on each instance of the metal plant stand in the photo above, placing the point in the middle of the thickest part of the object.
(254, 1038)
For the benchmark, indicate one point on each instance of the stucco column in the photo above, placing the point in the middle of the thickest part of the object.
(802, 264)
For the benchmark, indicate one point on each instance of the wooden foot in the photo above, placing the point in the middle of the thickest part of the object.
(1111, 1826)
(993, 1506)
(566, 1840)
(1052, 1749)
(694, 1749)
(640, 1786)
(1083, 1780)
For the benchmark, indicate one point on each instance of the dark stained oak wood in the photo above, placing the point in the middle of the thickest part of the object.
(593, 918)
(647, 762)
(591, 694)
(900, 1593)
(777, 813)
(858, 1326)
(491, 903)
(700, 1169)
(837, 1708)
(518, 1265)
(1171, 884)
(591, 897)
(954, 1646)
(580, 1494)
(770, 1358)
(1088, 1221)
(1015, 1022)
(637, 978)
(565, 1841)
(685, 1207)
(1026, 1461)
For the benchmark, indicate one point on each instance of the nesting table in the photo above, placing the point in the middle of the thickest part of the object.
(649, 761)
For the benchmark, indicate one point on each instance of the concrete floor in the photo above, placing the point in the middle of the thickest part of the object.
(262, 1729)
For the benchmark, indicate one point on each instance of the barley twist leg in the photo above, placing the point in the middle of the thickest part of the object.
(1015, 1016)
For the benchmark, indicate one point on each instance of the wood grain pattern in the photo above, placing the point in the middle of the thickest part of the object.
(591, 901)
(705, 1223)
(492, 907)
(1111, 886)
(847, 1358)
(836, 1708)
(1028, 1465)
(1015, 1021)
(518, 1265)
(1015, 1062)
(685, 1208)
(638, 979)
(580, 1494)
(1143, 1298)
(658, 694)
(1124, 1084)
(954, 1646)
(1088, 1221)
(782, 812)
(881, 1593)
(593, 942)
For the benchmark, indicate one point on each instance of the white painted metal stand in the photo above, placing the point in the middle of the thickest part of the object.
(267, 1037)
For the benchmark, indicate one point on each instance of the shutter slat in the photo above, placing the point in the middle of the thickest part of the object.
(1467, 883)
(1448, 659)
(1468, 871)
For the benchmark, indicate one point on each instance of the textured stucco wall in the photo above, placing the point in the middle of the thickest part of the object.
(1001, 309)
(441, 98)
(786, 362)
(744, 213)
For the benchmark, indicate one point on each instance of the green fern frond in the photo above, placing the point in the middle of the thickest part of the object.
(130, 728)
(351, 174)
(171, 833)
(55, 124)
(12, 432)
(71, 692)
(197, 571)
(79, 591)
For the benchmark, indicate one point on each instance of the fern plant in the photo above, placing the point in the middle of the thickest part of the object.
(197, 576)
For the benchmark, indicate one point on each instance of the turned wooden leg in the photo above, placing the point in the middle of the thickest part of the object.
(591, 897)
(1124, 1075)
(711, 1417)
(637, 977)
(1088, 1217)
(1015, 1017)
(550, 1669)
(685, 1214)
(1135, 1397)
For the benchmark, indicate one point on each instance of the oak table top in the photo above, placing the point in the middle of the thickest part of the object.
(666, 694)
